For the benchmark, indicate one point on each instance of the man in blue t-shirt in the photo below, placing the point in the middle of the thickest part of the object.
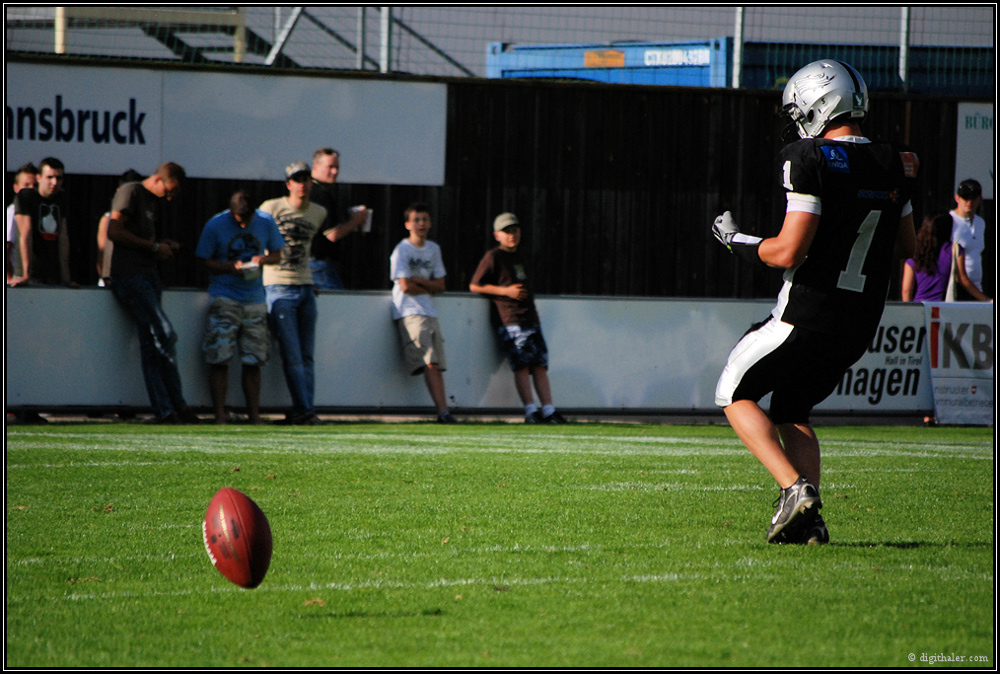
(233, 246)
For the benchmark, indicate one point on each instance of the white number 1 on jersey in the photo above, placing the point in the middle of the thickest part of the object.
(851, 278)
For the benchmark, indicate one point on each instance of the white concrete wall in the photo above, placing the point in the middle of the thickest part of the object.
(77, 348)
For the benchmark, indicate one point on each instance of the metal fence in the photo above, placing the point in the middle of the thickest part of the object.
(453, 41)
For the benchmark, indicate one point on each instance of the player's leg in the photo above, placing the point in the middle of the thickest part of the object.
(251, 391)
(254, 351)
(755, 430)
(522, 382)
(802, 449)
(218, 384)
(763, 361)
(434, 378)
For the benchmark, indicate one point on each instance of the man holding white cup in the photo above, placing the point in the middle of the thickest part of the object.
(325, 247)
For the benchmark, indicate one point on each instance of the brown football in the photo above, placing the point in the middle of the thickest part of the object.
(237, 537)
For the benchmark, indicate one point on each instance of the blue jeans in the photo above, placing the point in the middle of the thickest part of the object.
(139, 295)
(292, 316)
(325, 275)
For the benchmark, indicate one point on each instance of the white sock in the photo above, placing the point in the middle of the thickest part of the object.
(530, 409)
(548, 410)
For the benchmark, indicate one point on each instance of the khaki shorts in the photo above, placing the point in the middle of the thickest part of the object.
(422, 343)
(233, 325)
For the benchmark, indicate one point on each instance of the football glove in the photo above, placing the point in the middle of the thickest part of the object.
(739, 244)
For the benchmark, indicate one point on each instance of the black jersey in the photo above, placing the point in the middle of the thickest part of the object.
(46, 215)
(861, 191)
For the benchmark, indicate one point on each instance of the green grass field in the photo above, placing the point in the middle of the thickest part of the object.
(478, 545)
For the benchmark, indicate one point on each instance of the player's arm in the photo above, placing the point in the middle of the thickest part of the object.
(120, 236)
(906, 237)
(514, 292)
(270, 257)
(63, 236)
(790, 247)
(24, 245)
(338, 232)
(787, 250)
(221, 266)
(908, 287)
(963, 278)
(415, 285)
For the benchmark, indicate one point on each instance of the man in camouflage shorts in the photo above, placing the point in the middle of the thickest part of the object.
(233, 246)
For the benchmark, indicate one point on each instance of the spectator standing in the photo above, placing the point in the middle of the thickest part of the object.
(926, 275)
(325, 252)
(136, 284)
(502, 275)
(290, 293)
(42, 229)
(233, 246)
(417, 271)
(105, 248)
(969, 231)
(25, 178)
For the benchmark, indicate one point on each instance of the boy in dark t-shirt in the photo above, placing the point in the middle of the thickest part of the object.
(503, 276)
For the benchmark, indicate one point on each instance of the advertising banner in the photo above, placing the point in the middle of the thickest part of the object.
(976, 141)
(960, 338)
(105, 120)
(893, 375)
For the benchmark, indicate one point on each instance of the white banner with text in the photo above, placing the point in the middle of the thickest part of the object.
(101, 120)
(960, 339)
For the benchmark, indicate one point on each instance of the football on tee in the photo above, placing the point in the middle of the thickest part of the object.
(237, 537)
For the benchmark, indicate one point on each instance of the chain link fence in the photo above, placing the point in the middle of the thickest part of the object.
(951, 43)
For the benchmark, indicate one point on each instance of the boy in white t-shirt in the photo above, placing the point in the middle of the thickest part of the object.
(417, 273)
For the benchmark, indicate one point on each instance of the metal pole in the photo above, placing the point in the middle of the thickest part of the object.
(282, 36)
(60, 31)
(904, 47)
(738, 48)
(385, 54)
(361, 39)
(240, 36)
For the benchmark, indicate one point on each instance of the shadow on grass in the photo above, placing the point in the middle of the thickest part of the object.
(427, 612)
(909, 545)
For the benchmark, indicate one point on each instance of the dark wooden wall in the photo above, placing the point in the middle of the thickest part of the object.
(616, 187)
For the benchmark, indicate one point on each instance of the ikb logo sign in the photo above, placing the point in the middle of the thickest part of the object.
(960, 340)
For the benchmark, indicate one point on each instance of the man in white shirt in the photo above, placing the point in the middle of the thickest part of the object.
(968, 231)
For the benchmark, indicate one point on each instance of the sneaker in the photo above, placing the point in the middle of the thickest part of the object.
(306, 419)
(533, 418)
(554, 418)
(186, 416)
(446, 418)
(29, 417)
(298, 419)
(168, 420)
(797, 509)
(816, 533)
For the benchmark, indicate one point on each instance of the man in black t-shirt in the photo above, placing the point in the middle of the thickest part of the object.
(135, 283)
(848, 211)
(40, 214)
(325, 249)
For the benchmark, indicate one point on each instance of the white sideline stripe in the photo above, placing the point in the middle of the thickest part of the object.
(681, 486)
(607, 448)
(395, 585)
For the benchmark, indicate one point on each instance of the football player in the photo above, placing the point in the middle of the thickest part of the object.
(848, 213)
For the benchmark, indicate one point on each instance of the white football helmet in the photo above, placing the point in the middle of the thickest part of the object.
(822, 91)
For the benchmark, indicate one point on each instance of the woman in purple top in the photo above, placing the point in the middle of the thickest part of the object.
(925, 275)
